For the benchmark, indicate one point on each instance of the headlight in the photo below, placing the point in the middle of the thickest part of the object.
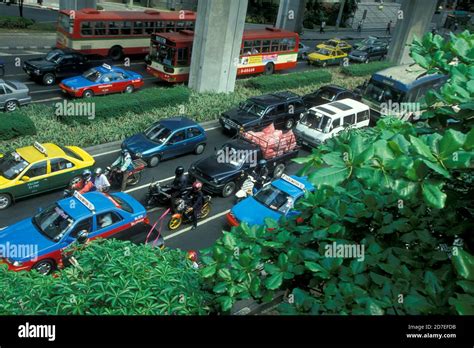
(15, 263)
(215, 181)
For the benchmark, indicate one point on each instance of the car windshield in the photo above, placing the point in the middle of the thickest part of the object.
(315, 120)
(253, 108)
(331, 43)
(91, 75)
(11, 165)
(53, 222)
(363, 48)
(324, 52)
(325, 94)
(54, 56)
(157, 133)
(274, 199)
(382, 93)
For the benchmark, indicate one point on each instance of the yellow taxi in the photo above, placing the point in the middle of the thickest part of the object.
(326, 55)
(336, 43)
(39, 168)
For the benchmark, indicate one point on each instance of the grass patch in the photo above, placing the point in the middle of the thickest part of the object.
(14, 124)
(12, 22)
(279, 82)
(365, 69)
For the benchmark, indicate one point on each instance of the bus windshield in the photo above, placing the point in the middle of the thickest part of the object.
(64, 22)
(164, 54)
(381, 93)
(315, 120)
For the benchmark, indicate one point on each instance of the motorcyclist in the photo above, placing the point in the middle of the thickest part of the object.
(123, 165)
(88, 183)
(196, 202)
(193, 257)
(180, 181)
(100, 181)
(261, 174)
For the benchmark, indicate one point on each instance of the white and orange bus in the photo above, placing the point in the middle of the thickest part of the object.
(262, 51)
(117, 33)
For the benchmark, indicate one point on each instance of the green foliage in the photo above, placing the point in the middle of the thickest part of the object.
(12, 22)
(453, 57)
(464, 265)
(15, 124)
(267, 83)
(114, 278)
(365, 69)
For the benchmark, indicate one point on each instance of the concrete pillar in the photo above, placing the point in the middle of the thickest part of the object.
(291, 15)
(76, 4)
(216, 48)
(417, 15)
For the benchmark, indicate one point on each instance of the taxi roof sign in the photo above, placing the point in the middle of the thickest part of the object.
(107, 66)
(40, 148)
(294, 182)
(84, 201)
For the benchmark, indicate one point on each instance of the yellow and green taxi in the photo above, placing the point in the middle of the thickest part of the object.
(326, 56)
(39, 168)
(336, 43)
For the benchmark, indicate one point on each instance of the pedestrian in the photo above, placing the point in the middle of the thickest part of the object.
(389, 27)
(359, 27)
(456, 26)
(321, 28)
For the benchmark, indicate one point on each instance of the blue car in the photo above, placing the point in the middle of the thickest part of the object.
(102, 80)
(36, 243)
(272, 201)
(167, 138)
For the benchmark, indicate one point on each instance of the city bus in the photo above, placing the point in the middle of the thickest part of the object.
(117, 33)
(262, 51)
(399, 91)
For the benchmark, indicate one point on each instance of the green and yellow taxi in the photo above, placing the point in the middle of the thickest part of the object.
(326, 55)
(39, 168)
(336, 43)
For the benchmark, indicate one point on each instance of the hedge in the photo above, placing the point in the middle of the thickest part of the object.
(365, 69)
(268, 83)
(14, 124)
(119, 104)
(11, 22)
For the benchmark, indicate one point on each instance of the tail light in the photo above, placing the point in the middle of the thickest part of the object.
(168, 70)
(147, 220)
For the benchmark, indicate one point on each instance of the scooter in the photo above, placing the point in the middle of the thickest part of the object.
(76, 184)
(134, 176)
(183, 213)
(161, 195)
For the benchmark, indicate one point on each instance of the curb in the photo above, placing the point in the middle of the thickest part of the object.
(27, 48)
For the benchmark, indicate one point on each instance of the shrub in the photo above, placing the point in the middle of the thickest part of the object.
(14, 124)
(11, 22)
(365, 69)
(294, 80)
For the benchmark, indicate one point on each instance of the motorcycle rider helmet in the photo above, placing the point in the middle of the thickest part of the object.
(179, 171)
(125, 152)
(98, 171)
(262, 163)
(197, 185)
(192, 255)
(86, 174)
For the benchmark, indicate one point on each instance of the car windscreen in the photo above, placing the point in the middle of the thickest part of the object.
(274, 199)
(123, 205)
(71, 153)
(11, 85)
(54, 56)
(52, 222)
(157, 133)
(381, 93)
(253, 108)
(315, 120)
(92, 75)
(11, 165)
(325, 94)
(324, 52)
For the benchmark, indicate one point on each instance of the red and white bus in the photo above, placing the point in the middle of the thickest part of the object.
(262, 51)
(117, 33)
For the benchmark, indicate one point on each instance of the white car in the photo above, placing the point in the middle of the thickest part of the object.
(325, 121)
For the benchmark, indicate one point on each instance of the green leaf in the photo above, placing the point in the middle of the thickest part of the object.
(226, 302)
(333, 159)
(452, 141)
(220, 287)
(422, 148)
(364, 156)
(316, 268)
(209, 271)
(274, 282)
(463, 263)
(331, 176)
(229, 240)
(433, 195)
(302, 160)
(224, 273)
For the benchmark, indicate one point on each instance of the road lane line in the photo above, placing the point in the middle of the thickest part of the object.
(46, 100)
(184, 230)
(46, 91)
(146, 185)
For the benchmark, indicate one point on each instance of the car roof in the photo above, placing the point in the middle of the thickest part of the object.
(77, 210)
(174, 123)
(31, 154)
(340, 108)
(150, 14)
(291, 189)
(275, 98)
(104, 70)
(335, 88)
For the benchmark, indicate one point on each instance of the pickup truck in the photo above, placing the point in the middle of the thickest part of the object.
(222, 172)
(59, 64)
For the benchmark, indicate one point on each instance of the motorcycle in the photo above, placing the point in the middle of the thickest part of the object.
(251, 185)
(134, 176)
(183, 213)
(161, 195)
(76, 184)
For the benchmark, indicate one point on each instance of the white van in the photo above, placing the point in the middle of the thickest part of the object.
(325, 121)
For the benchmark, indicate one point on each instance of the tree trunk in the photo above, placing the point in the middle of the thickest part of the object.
(339, 16)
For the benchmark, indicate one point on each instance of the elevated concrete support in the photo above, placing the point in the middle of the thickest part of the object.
(417, 15)
(216, 48)
(76, 4)
(290, 15)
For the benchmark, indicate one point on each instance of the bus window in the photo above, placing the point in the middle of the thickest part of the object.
(170, 26)
(257, 46)
(183, 56)
(265, 46)
(149, 27)
(180, 26)
(189, 25)
(137, 28)
(291, 44)
(86, 28)
(284, 45)
(126, 28)
(100, 28)
(275, 45)
(248, 47)
(113, 28)
(159, 26)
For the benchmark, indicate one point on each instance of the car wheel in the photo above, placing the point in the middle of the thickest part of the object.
(129, 89)
(289, 123)
(88, 94)
(48, 79)
(153, 161)
(11, 105)
(278, 171)
(228, 189)
(44, 267)
(269, 68)
(5, 201)
(199, 149)
(116, 53)
(133, 179)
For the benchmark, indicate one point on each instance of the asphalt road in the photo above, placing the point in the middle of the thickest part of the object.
(37, 14)
(204, 236)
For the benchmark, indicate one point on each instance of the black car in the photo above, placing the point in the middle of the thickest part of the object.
(371, 41)
(365, 54)
(282, 109)
(2, 68)
(59, 64)
(328, 94)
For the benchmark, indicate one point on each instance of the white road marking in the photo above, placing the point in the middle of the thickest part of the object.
(46, 91)
(45, 100)
(146, 185)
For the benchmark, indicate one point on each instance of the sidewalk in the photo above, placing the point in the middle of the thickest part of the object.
(109, 6)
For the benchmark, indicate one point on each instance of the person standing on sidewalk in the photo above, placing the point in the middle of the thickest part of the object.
(321, 28)
(359, 27)
(389, 27)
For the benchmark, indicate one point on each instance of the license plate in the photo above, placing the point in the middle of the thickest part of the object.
(305, 143)
(226, 126)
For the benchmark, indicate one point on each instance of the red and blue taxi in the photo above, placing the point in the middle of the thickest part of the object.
(101, 80)
(272, 201)
(37, 242)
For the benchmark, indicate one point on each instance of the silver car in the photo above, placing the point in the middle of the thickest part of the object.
(303, 51)
(13, 94)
